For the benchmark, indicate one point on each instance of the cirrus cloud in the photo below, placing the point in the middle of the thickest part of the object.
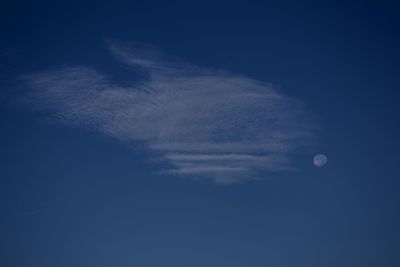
(207, 123)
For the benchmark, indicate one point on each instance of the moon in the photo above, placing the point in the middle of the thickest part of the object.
(320, 160)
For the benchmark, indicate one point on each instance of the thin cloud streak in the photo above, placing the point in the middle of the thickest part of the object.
(208, 124)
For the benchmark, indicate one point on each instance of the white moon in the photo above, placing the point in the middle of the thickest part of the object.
(320, 160)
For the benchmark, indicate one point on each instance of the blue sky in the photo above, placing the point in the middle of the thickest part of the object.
(183, 134)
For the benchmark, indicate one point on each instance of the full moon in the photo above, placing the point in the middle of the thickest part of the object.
(320, 160)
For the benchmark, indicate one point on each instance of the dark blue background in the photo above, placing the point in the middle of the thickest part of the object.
(69, 197)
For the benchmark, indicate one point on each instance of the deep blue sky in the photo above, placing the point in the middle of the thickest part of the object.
(72, 197)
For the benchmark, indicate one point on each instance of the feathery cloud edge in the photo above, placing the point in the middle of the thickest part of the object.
(208, 124)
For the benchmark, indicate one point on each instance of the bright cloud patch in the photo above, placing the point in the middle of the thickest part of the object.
(206, 123)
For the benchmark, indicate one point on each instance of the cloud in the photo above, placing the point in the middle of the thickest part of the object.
(208, 124)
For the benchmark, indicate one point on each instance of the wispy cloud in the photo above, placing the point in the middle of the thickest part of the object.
(207, 123)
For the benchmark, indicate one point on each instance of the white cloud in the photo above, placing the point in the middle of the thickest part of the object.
(206, 123)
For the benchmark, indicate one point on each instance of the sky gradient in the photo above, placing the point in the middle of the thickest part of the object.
(183, 134)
